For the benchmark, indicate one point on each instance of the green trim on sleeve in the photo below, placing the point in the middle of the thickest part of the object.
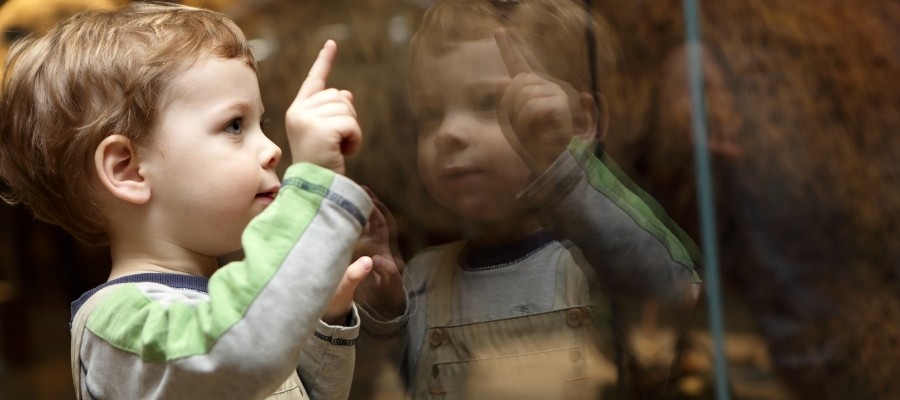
(606, 177)
(130, 321)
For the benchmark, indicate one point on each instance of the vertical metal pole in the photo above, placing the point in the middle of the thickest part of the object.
(702, 165)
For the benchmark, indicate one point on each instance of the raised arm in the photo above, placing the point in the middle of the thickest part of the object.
(624, 236)
(248, 335)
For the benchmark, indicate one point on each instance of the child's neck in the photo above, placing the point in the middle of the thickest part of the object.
(500, 233)
(130, 258)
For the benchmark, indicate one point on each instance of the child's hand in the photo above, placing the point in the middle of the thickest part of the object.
(321, 122)
(337, 310)
(539, 115)
(382, 291)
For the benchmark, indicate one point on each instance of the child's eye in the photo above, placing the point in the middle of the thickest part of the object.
(428, 115)
(484, 103)
(234, 126)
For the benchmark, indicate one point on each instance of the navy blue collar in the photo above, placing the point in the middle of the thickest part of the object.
(178, 281)
(490, 257)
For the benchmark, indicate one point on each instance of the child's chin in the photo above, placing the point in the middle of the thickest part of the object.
(484, 211)
(233, 254)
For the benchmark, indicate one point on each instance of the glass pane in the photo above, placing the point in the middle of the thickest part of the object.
(537, 169)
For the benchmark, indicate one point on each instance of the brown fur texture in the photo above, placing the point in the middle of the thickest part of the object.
(803, 102)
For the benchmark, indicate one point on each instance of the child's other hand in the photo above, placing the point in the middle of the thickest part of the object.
(321, 122)
(382, 291)
(337, 310)
(539, 115)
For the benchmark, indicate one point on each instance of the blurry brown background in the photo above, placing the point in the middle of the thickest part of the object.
(803, 103)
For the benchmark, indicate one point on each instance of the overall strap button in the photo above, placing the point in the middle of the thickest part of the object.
(437, 338)
(575, 317)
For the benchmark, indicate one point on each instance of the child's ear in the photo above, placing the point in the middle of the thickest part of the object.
(596, 110)
(118, 169)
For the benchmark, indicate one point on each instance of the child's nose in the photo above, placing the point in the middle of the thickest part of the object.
(454, 132)
(270, 155)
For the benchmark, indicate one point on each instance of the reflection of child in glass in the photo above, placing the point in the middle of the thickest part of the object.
(505, 143)
(141, 127)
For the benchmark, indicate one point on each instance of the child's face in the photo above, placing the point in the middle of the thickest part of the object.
(211, 167)
(464, 159)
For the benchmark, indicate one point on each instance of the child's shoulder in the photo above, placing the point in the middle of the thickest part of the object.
(143, 290)
(418, 268)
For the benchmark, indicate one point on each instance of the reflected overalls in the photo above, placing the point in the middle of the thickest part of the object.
(563, 353)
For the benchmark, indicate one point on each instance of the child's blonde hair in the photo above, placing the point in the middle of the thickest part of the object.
(96, 74)
(572, 44)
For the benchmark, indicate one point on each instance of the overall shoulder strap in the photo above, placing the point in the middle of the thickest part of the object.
(439, 290)
(78, 324)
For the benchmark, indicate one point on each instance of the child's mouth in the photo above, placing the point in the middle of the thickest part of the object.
(268, 196)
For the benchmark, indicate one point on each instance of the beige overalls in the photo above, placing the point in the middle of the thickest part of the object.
(290, 389)
(561, 354)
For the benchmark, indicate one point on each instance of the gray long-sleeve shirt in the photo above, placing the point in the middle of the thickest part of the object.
(257, 322)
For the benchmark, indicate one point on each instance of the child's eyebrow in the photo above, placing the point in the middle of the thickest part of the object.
(487, 84)
(482, 85)
(242, 106)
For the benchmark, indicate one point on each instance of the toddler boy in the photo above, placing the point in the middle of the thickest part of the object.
(141, 127)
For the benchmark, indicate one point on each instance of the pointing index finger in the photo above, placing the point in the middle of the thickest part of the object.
(517, 60)
(318, 73)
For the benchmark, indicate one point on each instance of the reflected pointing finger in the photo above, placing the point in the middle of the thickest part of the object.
(515, 62)
(524, 51)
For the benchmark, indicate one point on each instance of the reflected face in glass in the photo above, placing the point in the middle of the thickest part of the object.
(465, 161)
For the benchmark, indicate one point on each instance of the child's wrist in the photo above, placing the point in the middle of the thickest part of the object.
(390, 310)
(339, 319)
